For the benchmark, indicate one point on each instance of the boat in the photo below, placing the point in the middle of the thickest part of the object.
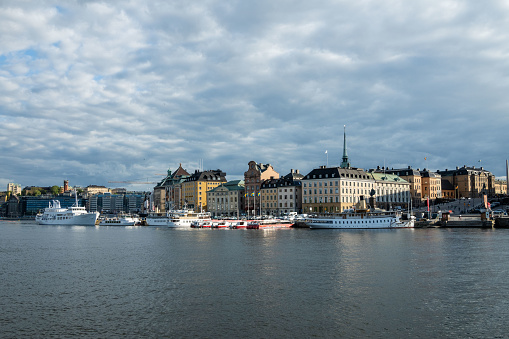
(185, 218)
(362, 218)
(121, 220)
(54, 214)
(157, 219)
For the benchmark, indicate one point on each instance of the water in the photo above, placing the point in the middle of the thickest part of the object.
(62, 281)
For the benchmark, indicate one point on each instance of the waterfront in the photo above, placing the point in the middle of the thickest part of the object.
(60, 281)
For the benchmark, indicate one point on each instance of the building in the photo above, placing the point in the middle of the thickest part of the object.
(253, 179)
(413, 177)
(500, 187)
(167, 194)
(268, 197)
(390, 190)
(94, 189)
(431, 185)
(334, 189)
(448, 190)
(289, 193)
(108, 203)
(226, 199)
(470, 182)
(14, 188)
(195, 187)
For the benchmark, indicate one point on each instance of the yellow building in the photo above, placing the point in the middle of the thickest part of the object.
(195, 187)
(470, 182)
(431, 185)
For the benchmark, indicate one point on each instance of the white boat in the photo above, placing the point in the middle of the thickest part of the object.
(361, 218)
(121, 220)
(75, 215)
(157, 219)
(184, 218)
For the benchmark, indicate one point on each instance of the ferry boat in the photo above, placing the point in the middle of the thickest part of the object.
(74, 215)
(185, 218)
(122, 220)
(362, 218)
(157, 219)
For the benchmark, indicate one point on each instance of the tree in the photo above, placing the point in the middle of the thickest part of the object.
(55, 190)
(37, 193)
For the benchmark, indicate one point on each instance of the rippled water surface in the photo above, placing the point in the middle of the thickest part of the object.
(61, 281)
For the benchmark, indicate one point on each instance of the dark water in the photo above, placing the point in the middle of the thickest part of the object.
(62, 281)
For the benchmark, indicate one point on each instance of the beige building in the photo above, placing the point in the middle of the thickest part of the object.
(500, 187)
(413, 177)
(391, 190)
(226, 199)
(334, 189)
(14, 188)
(470, 182)
(93, 189)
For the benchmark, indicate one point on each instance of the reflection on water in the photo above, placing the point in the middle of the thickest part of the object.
(142, 281)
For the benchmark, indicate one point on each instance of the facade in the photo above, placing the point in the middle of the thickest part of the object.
(116, 203)
(94, 189)
(500, 187)
(226, 199)
(413, 177)
(167, 193)
(289, 193)
(334, 189)
(195, 187)
(14, 188)
(390, 190)
(253, 179)
(268, 197)
(470, 182)
(431, 185)
(448, 191)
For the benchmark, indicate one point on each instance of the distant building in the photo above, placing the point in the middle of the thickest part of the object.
(167, 194)
(412, 176)
(94, 189)
(289, 193)
(431, 185)
(448, 191)
(470, 182)
(334, 189)
(14, 188)
(226, 199)
(253, 179)
(195, 187)
(500, 187)
(390, 190)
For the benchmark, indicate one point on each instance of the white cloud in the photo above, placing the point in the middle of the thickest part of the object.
(94, 91)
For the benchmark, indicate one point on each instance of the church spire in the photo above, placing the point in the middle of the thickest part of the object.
(344, 163)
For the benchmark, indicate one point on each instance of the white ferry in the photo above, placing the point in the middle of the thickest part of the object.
(121, 220)
(75, 215)
(184, 218)
(157, 219)
(361, 218)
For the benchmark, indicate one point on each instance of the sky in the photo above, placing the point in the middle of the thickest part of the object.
(93, 92)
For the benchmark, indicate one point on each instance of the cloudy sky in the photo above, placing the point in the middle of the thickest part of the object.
(123, 90)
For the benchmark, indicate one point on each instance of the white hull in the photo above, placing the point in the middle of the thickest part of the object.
(157, 221)
(119, 222)
(387, 222)
(88, 219)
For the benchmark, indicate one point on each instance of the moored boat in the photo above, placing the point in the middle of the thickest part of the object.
(54, 214)
(121, 220)
(361, 218)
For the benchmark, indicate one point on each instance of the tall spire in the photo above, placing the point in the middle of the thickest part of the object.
(344, 163)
